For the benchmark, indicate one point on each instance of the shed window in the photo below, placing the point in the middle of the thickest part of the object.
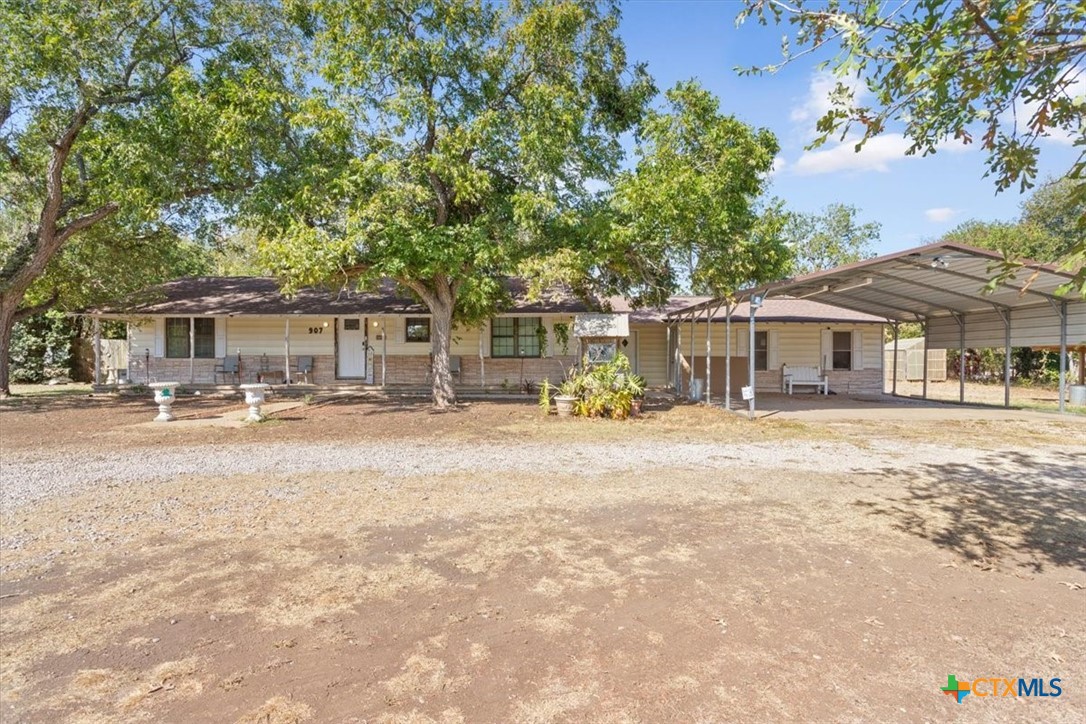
(515, 337)
(177, 337)
(842, 350)
(418, 329)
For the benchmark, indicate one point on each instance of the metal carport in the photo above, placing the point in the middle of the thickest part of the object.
(942, 286)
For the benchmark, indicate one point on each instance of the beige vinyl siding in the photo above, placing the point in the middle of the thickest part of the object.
(652, 352)
(797, 344)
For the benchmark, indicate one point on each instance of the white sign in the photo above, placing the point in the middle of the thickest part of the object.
(748, 393)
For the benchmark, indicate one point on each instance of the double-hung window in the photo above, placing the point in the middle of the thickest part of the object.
(177, 337)
(842, 350)
(515, 336)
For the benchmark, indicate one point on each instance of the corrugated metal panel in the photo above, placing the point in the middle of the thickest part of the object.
(1030, 327)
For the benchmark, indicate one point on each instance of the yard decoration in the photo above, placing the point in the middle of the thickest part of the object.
(165, 393)
(254, 398)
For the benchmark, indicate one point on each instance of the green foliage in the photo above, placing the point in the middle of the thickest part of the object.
(1004, 71)
(690, 208)
(545, 392)
(829, 239)
(603, 390)
(463, 130)
(124, 128)
(41, 347)
(561, 336)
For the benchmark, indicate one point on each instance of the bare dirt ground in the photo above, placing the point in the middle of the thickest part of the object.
(820, 571)
(978, 393)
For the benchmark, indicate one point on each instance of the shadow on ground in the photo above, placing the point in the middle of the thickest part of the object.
(1009, 505)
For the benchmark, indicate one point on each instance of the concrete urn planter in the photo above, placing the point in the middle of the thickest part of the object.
(254, 398)
(165, 392)
(564, 404)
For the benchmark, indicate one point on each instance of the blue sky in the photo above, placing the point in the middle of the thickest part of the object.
(915, 199)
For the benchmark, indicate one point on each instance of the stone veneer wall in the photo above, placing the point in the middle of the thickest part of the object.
(843, 382)
(415, 370)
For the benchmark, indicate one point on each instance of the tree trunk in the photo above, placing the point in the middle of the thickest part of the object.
(444, 395)
(7, 324)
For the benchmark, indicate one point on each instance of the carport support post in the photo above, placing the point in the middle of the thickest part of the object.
(960, 319)
(1007, 358)
(1063, 352)
(728, 356)
(893, 383)
(750, 359)
(708, 354)
(925, 359)
(691, 388)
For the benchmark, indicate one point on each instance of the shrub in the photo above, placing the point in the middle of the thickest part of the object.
(602, 390)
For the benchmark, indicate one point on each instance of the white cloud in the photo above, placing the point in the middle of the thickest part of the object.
(819, 94)
(778, 165)
(940, 215)
(876, 155)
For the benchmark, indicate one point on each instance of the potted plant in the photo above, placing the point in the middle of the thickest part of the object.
(566, 398)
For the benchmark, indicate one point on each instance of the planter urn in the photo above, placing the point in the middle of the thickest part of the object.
(564, 404)
(165, 393)
(254, 398)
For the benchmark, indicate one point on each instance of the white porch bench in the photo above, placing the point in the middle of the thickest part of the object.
(804, 377)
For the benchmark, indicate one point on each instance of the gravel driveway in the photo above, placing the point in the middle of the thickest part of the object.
(29, 476)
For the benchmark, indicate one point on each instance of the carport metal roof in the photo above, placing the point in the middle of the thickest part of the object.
(940, 280)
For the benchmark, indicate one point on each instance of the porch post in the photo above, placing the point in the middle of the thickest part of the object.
(192, 350)
(728, 356)
(678, 381)
(668, 355)
(1063, 352)
(98, 351)
(482, 362)
(893, 383)
(926, 330)
(286, 351)
(384, 348)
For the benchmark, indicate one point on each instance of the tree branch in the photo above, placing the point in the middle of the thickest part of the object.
(21, 314)
(102, 212)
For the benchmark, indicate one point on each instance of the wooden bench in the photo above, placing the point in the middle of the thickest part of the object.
(805, 376)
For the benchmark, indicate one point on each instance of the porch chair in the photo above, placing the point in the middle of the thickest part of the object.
(304, 367)
(454, 366)
(229, 367)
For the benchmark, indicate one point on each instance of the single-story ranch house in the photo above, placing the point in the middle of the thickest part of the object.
(193, 329)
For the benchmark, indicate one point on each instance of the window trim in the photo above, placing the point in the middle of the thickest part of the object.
(516, 336)
(416, 322)
(193, 339)
(834, 351)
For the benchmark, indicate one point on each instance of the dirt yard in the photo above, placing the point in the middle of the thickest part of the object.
(369, 561)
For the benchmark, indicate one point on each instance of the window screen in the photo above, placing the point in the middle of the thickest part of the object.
(177, 336)
(418, 329)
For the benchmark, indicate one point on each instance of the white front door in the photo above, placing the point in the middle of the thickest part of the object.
(351, 346)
